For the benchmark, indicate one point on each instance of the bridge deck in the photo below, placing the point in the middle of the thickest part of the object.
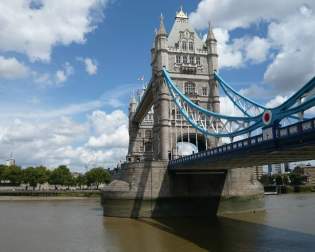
(288, 144)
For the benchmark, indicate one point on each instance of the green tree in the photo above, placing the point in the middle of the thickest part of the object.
(296, 179)
(13, 174)
(285, 179)
(2, 172)
(80, 180)
(97, 176)
(43, 175)
(34, 176)
(266, 180)
(60, 176)
(30, 177)
(278, 179)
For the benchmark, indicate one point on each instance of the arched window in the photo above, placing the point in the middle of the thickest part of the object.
(185, 59)
(190, 88)
(191, 46)
(191, 59)
(147, 133)
(148, 146)
(198, 61)
(204, 91)
(184, 45)
(178, 59)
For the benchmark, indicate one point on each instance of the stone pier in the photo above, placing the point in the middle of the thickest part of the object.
(148, 189)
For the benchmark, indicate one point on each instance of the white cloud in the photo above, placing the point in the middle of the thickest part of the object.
(235, 53)
(294, 65)
(229, 53)
(256, 49)
(11, 68)
(102, 122)
(62, 140)
(90, 66)
(56, 79)
(34, 29)
(230, 14)
(276, 101)
(255, 91)
(289, 42)
(119, 138)
(63, 74)
(228, 108)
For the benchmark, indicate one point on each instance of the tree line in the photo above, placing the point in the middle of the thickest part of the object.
(60, 176)
(293, 178)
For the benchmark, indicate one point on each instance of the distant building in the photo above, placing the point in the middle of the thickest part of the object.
(309, 172)
(10, 162)
(286, 167)
(76, 174)
(278, 168)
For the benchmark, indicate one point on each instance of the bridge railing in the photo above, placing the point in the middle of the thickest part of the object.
(279, 133)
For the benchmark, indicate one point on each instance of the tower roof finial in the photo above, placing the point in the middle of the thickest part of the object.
(181, 13)
(162, 30)
(210, 35)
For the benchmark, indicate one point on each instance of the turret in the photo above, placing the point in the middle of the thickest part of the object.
(212, 58)
(132, 107)
(211, 44)
(161, 45)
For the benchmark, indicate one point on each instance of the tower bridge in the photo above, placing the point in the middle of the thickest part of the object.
(181, 104)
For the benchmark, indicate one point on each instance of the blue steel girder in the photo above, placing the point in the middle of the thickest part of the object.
(214, 124)
(247, 106)
(207, 122)
(244, 104)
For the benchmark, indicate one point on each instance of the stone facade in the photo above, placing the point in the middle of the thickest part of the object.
(148, 189)
(144, 186)
(191, 63)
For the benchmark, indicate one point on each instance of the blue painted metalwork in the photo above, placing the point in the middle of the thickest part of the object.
(231, 126)
(172, 86)
(294, 130)
(239, 100)
(243, 125)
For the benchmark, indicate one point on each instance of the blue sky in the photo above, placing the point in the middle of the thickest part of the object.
(68, 68)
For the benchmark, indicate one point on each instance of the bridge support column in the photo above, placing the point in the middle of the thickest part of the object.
(241, 191)
(163, 120)
(149, 189)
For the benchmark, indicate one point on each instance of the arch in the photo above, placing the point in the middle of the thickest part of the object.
(200, 142)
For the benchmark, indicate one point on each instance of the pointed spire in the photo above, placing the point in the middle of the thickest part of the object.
(210, 36)
(181, 13)
(162, 30)
(133, 100)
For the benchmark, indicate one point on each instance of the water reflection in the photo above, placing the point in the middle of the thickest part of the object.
(221, 234)
(78, 226)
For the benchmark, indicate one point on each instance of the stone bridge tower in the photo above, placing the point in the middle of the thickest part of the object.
(191, 63)
(144, 186)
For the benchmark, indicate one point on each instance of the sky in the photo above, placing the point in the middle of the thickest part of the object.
(68, 68)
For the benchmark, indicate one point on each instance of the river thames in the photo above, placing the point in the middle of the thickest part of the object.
(288, 224)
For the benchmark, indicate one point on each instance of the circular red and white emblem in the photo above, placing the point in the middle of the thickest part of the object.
(267, 117)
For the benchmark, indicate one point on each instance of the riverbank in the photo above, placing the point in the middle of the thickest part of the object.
(40, 198)
(51, 194)
(289, 189)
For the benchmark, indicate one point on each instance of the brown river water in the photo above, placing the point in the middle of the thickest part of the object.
(288, 224)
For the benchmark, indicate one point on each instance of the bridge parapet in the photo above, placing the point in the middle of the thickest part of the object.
(300, 132)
